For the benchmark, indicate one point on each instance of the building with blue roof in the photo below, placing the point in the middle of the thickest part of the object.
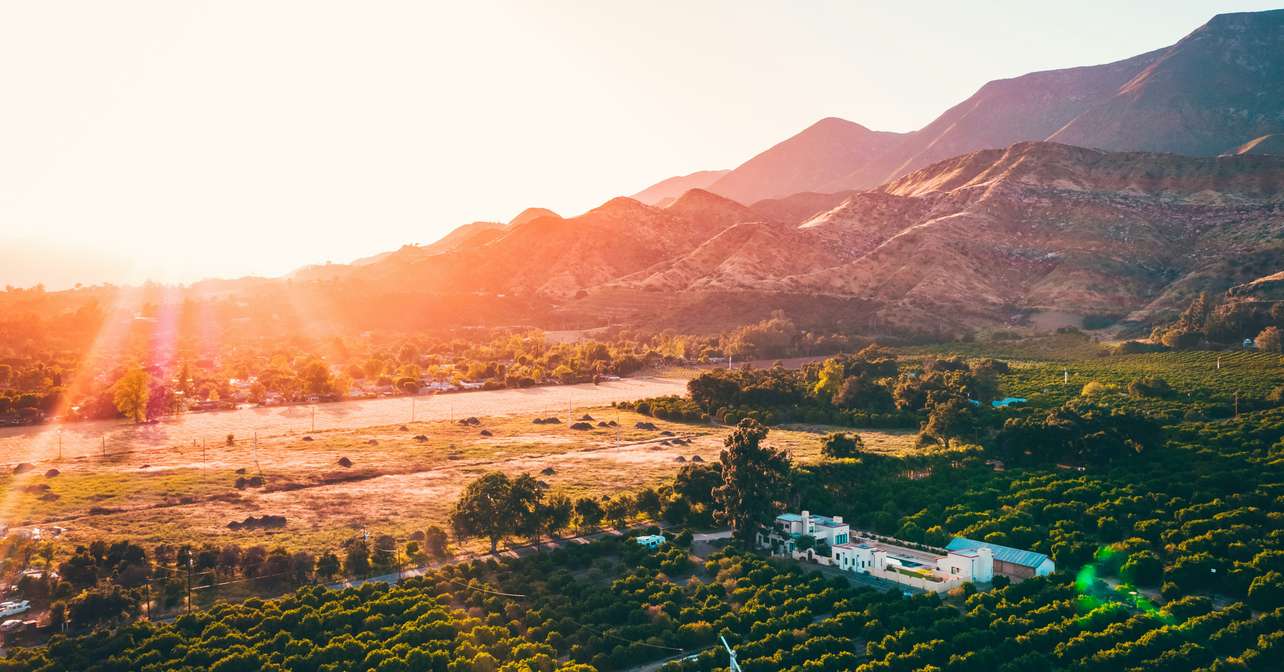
(652, 541)
(1010, 562)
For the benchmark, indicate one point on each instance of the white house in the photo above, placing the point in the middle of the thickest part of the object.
(831, 543)
(788, 531)
(975, 565)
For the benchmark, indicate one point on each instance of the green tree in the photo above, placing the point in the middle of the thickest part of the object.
(357, 562)
(316, 377)
(648, 503)
(588, 512)
(131, 394)
(1143, 568)
(1267, 591)
(829, 379)
(618, 510)
(435, 541)
(100, 606)
(328, 565)
(955, 418)
(842, 444)
(557, 514)
(1268, 340)
(755, 481)
(525, 505)
(495, 506)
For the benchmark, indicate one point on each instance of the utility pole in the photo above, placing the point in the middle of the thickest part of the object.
(189, 584)
(314, 418)
(104, 438)
(735, 667)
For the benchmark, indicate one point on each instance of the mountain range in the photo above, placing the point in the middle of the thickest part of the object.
(1218, 90)
(1111, 190)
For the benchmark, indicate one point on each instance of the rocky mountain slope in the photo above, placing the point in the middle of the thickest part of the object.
(1216, 90)
(982, 239)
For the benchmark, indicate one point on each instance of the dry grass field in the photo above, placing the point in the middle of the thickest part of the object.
(396, 483)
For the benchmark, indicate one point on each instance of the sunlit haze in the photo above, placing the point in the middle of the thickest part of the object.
(179, 140)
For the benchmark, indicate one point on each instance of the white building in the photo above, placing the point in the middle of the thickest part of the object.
(651, 541)
(831, 543)
(1013, 563)
(806, 536)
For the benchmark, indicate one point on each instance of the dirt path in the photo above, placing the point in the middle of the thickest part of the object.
(41, 442)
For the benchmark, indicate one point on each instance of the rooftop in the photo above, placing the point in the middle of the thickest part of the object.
(1007, 554)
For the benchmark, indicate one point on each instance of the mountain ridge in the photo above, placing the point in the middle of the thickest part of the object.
(1218, 88)
(986, 238)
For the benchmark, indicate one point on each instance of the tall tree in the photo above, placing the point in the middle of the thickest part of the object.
(755, 481)
(484, 509)
(131, 394)
(557, 512)
(588, 512)
(525, 504)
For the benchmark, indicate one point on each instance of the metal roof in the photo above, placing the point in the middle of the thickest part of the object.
(1007, 554)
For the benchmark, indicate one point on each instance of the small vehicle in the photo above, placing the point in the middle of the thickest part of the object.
(11, 624)
(13, 608)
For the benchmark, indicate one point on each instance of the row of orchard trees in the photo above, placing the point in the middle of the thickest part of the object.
(612, 605)
(103, 582)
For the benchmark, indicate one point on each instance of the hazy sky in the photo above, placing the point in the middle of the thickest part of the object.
(175, 140)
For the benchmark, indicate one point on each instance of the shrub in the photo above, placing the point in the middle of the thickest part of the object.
(1150, 386)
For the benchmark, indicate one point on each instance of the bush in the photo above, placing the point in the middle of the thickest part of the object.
(842, 444)
(1150, 386)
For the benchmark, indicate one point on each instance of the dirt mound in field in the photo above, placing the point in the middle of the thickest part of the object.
(265, 522)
